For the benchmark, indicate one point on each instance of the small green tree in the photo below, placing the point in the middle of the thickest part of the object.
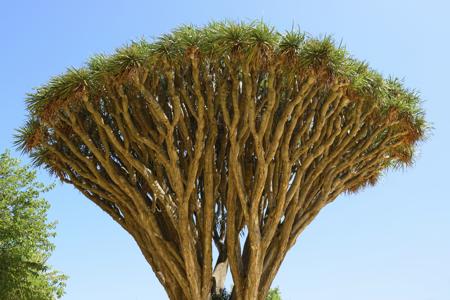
(274, 294)
(24, 236)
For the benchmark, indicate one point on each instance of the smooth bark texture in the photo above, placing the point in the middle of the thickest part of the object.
(202, 148)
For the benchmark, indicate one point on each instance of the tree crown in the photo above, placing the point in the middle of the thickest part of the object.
(226, 43)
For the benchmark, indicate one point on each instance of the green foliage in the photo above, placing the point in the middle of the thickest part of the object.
(24, 236)
(224, 295)
(220, 43)
(274, 294)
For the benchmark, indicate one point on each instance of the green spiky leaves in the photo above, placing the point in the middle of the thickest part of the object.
(222, 43)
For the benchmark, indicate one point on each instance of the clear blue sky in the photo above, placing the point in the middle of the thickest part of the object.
(390, 242)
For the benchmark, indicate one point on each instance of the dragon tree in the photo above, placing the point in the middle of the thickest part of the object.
(215, 147)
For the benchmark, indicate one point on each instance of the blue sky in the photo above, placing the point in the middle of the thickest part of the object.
(390, 242)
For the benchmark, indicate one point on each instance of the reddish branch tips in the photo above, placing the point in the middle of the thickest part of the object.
(205, 132)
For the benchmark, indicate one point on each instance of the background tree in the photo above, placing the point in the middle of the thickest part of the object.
(24, 236)
(274, 294)
(232, 136)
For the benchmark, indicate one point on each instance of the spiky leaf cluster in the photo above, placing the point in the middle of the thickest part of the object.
(220, 43)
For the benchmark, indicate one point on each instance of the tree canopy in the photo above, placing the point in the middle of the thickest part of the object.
(25, 236)
(232, 135)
